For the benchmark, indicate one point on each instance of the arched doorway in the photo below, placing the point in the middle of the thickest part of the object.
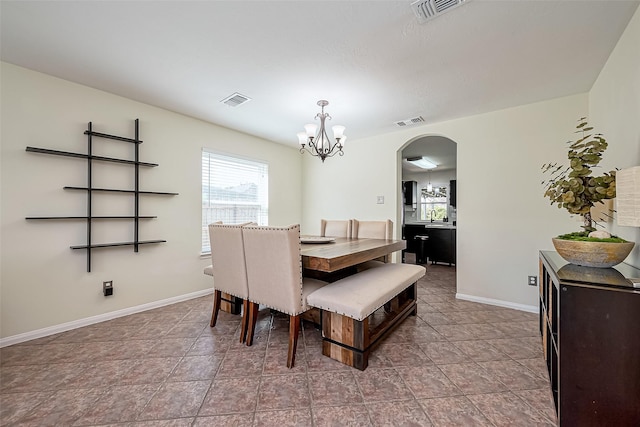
(429, 198)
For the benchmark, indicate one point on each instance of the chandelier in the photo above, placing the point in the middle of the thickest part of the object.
(319, 144)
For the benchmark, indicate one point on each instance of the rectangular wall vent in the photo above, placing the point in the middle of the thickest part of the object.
(412, 121)
(426, 10)
(235, 100)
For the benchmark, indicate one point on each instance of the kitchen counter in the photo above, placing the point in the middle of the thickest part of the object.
(445, 225)
(441, 243)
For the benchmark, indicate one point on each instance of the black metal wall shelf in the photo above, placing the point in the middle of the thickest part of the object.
(93, 217)
(161, 193)
(110, 245)
(89, 189)
(90, 157)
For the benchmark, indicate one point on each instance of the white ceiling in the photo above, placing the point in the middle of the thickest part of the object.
(372, 60)
(438, 149)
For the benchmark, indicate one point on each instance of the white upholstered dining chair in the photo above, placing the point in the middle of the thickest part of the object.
(229, 269)
(274, 272)
(373, 230)
(335, 228)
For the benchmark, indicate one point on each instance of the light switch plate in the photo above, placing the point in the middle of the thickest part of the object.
(381, 200)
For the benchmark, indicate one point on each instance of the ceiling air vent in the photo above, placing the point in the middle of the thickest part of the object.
(412, 121)
(426, 10)
(235, 100)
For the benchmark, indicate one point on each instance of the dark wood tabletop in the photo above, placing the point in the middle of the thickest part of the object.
(346, 252)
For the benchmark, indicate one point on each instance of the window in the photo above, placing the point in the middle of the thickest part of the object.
(234, 191)
(433, 204)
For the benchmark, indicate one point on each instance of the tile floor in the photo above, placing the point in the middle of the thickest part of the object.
(456, 363)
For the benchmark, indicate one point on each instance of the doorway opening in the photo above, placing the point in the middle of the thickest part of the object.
(428, 203)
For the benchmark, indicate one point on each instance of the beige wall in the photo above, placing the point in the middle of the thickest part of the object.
(44, 283)
(502, 218)
(614, 107)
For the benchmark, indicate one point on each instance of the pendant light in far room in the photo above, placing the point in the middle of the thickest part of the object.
(424, 163)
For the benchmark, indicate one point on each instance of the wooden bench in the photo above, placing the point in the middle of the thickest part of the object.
(352, 324)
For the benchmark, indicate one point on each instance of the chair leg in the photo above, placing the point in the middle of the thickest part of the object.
(217, 295)
(251, 321)
(245, 320)
(294, 330)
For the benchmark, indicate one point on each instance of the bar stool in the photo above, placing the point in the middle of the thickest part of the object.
(421, 253)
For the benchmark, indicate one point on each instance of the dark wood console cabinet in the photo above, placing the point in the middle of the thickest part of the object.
(590, 326)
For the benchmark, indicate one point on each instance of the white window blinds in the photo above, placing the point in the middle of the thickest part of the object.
(234, 191)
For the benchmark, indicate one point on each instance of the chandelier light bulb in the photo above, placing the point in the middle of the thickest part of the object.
(338, 131)
(310, 129)
(302, 138)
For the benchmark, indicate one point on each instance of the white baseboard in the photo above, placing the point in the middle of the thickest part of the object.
(499, 303)
(28, 336)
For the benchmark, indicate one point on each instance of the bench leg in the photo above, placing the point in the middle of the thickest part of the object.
(345, 339)
(412, 294)
(349, 356)
(230, 304)
(387, 307)
(350, 341)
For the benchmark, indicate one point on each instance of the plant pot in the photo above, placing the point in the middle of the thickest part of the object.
(592, 254)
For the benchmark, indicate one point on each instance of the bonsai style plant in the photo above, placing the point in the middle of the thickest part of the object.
(575, 188)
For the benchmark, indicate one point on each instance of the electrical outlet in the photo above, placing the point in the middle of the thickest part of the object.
(533, 280)
(107, 288)
(381, 200)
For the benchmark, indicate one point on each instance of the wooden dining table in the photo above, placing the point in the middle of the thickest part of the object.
(345, 252)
